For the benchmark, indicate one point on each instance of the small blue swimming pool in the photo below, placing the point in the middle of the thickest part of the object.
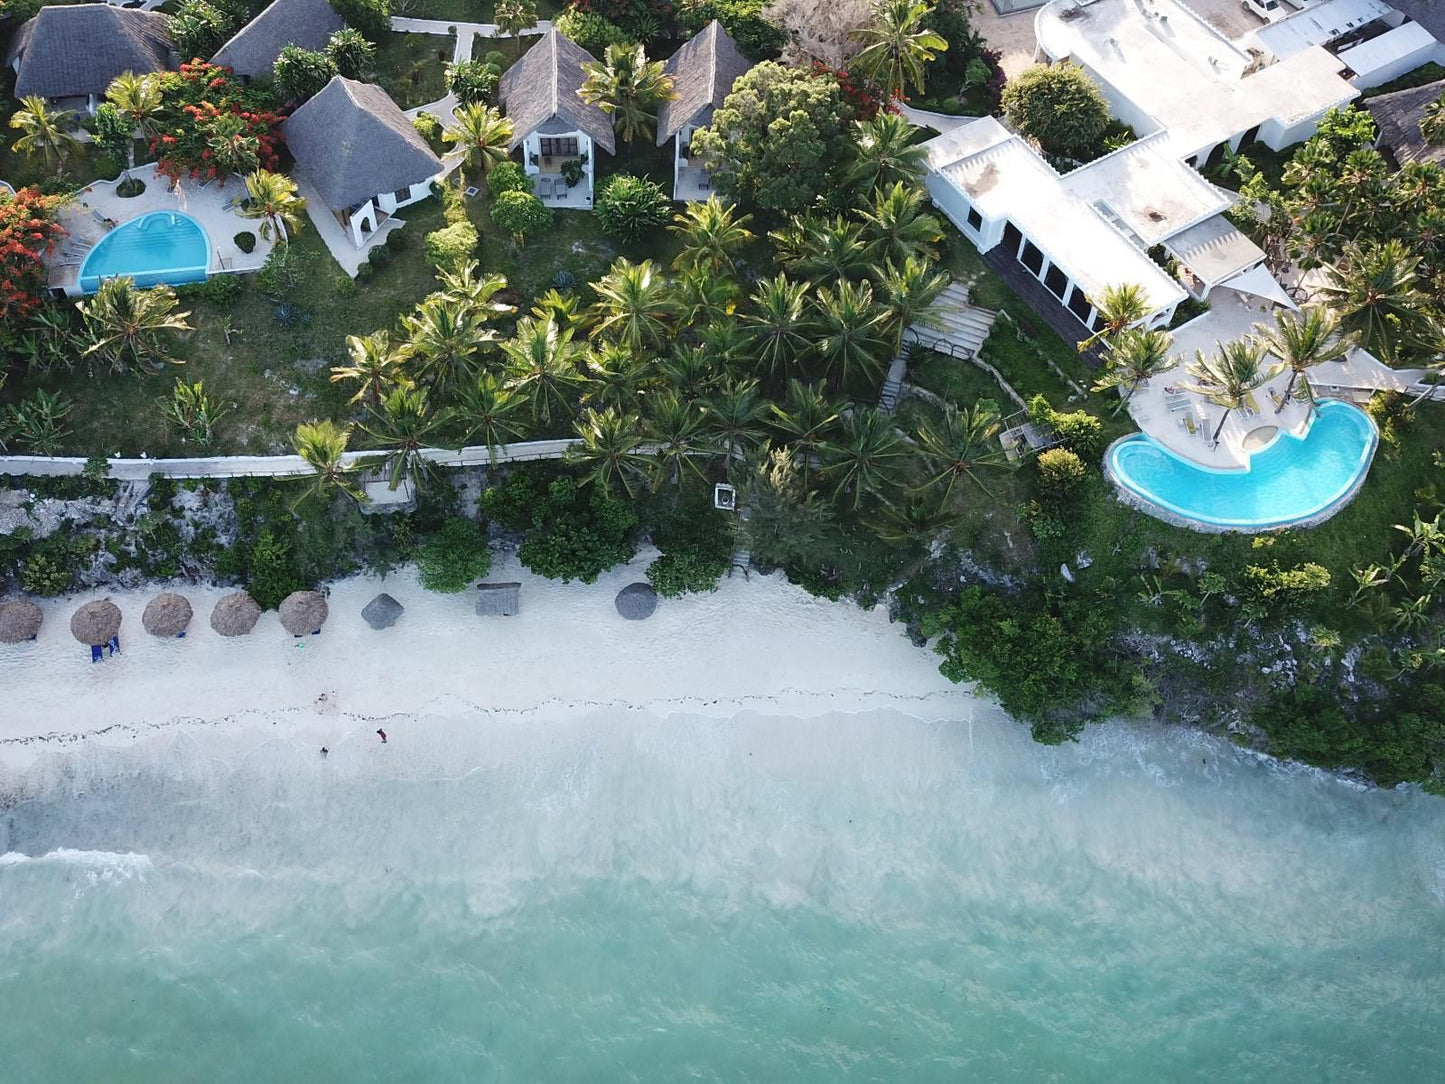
(160, 247)
(1291, 480)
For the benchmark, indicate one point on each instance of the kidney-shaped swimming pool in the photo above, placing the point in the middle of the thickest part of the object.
(160, 247)
(1291, 480)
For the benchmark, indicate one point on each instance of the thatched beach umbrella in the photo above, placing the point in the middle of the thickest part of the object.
(382, 611)
(235, 614)
(167, 615)
(96, 623)
(19, 621)
(303, 612)
(636, 601)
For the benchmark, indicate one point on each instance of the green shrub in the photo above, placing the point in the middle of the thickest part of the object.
(1060, 106)
(675, 574)
(130, 188)
(570, 532)
(630, 207)
(271, 573)
(299, 73)
(592, 32)
(284, 271)
(245, 241)
(371, 17)
(45, 577)
(451, 246)
(1081, 432)
(397, 241)
(520, 214)
(509, 176)
(1061, 473)
(220, 290)
(345, 285)
(758, 37)
(379, 256)
(473, 81)
(495, 58)
(696, 541)
(350, 53)
(1285, 588)
(450, 560)
(364, 272)
(428, 127)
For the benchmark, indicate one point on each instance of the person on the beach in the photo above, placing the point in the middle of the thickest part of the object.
(324, 751)
(383, 735)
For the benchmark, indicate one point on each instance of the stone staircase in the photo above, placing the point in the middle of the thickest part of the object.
(952, 320)
(892, 384)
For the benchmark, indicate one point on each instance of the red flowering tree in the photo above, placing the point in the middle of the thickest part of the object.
(214, 126)
(862, 95)
(28, 231)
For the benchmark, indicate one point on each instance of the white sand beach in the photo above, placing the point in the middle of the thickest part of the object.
(755, 644)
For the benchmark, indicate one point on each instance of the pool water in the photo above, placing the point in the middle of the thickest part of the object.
(1291, 480)
(160, 247)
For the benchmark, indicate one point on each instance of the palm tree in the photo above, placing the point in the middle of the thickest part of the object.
(127, 324)
(234, 147)
(1228, 377)
(514, 16)
(869, 456)
(468, 286)
(610, 441)
(898, 46)
(712, 232)
(563, 308)
(895, 225)
(323, 445)
(886, 151)
(1135, 355)
(806, 420)
(377, 366)
(482, 133)
(735, 415)
(444, 336)
(274, 200)
(852, 338)
(403, 424)
(690, 371)
(1375, 291)
(778, 326)
(634, 305)
(909, 294)
(47, 132)
(1121, 307)
(1302, 341)
(1432, 124)
(492, 411)
(628, 87)
(615, 378)
(138, 98)
(704, 299)
(830, 248)
(961, 444)
(542, 363)
(675, 427)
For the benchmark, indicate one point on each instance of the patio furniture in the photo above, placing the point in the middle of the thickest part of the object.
(1189, 424)
(1251, 403)
(544, 187)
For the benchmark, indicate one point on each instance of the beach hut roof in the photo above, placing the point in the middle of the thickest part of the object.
(351, 141)
(703, 72)
(308, 24)
(636, 601)
(235, 614)
(382, 611)
(19, 621)
(499, 599)
(303, 612)
(96, 622)
(539, 93)
(71, 50)
(167, 615)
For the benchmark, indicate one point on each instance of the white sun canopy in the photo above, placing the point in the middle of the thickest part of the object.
(1259, 282)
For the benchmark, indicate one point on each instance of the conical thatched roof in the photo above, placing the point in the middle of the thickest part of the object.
(303, 612)
(19, 621)
(235, 615)
(636, 601)
(382, 611)
(167, 615)
(96, 623)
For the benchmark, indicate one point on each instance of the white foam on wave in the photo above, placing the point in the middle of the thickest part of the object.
(93, 867)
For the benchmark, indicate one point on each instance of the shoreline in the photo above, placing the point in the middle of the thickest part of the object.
(756, 644)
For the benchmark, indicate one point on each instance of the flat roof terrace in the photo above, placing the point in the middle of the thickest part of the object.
(1176, 68)
(1153, 194)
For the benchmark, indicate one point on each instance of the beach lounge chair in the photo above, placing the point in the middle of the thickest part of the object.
(1251, 403)
(1178, 403)
(1188, 422)
(544, 187)
(114, 646)
(96, 653)
(1276, 398)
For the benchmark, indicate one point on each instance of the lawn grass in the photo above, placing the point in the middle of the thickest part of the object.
(466, 11)
(412, 67)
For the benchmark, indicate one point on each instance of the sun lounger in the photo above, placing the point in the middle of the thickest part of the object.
(544, 187)
(1276, 398)
(1251, 403)
(1177, 404)
(96, 653)
(1189, 424)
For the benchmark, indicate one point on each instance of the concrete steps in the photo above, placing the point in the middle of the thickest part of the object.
(960, 327)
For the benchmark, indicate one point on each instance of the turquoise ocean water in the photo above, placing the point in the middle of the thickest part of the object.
(632, 898)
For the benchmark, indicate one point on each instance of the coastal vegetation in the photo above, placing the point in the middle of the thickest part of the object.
(743, 340)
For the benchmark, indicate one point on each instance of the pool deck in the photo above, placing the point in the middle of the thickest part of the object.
(85, 219)
(1161, 414)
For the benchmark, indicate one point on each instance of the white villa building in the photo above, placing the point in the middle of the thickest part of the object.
(703, 72)
(357, 151)
(551, 124)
